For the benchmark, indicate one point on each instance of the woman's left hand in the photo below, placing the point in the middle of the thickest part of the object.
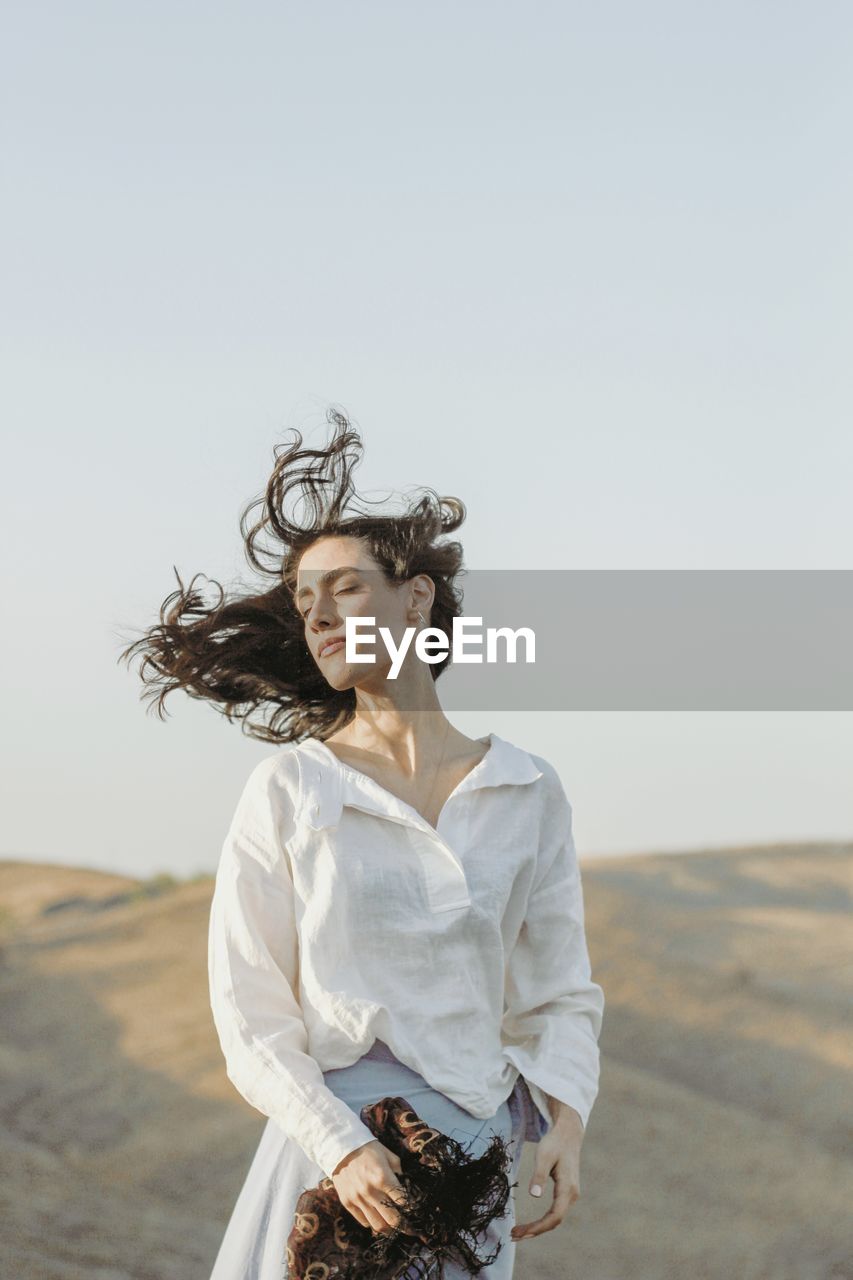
(557, 1156)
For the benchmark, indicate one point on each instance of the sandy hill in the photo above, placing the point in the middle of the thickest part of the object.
(721, 1144)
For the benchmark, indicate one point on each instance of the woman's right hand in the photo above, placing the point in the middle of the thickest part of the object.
(365, 1178)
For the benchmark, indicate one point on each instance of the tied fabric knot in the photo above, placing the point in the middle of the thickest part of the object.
(448, 1198)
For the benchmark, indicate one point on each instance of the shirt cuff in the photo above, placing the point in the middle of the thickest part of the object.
(556, 1088)
(542, 1082)
(338, 1141)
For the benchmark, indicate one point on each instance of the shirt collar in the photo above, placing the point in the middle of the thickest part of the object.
(327, 784)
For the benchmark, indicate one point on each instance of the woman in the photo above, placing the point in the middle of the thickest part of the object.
(398, 908)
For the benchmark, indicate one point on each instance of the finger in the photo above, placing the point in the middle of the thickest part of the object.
(395, 1190)
(564, 1196)
(547, 1222)
(542, 1171)
(566, 1192)
(385, 1200)
(375, 1220)
(358, 1215)
(397, 1197)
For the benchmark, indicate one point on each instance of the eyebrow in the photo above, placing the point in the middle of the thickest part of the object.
(329, 576)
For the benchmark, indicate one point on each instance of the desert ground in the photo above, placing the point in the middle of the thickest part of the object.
(720, 1146)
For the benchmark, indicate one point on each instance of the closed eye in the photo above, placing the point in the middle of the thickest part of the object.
(343, 591)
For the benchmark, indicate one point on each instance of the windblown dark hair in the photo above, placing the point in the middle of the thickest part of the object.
(247, 653)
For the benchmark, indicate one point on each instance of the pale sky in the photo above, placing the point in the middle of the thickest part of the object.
(586, 267)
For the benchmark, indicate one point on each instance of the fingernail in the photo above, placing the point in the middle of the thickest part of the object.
(536, 1190)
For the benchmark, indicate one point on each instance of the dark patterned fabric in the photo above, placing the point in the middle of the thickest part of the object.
(447, 1201)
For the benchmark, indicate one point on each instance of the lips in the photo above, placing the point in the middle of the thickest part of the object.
(331, 646)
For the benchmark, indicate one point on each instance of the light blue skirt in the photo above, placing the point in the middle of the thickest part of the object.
(254, 1241)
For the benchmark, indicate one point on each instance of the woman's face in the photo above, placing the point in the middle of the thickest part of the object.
(336, 579)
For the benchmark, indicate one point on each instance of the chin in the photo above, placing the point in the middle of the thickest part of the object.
(343, 679)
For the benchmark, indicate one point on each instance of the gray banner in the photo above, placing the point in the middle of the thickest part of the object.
(652, 640)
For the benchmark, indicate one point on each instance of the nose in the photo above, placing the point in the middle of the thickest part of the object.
(320, 612)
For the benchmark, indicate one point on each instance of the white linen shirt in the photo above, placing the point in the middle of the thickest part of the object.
(339, 915)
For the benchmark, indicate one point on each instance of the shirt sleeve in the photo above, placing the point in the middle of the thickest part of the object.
(253, 977)
(553, 1011)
